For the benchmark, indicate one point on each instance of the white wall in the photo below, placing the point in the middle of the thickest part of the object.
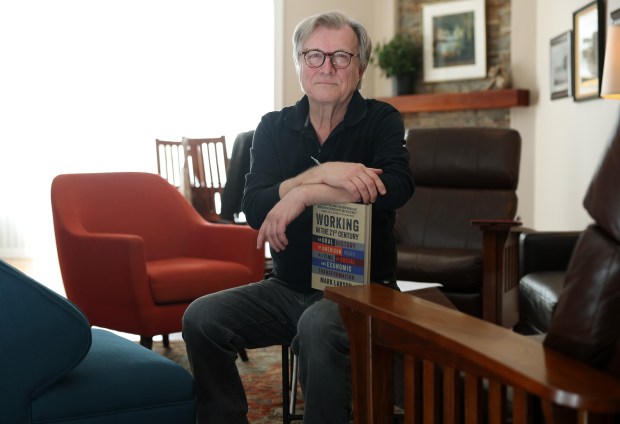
(524, 118)
(563, 140)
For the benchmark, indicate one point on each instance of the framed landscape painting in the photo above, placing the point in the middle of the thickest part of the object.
(560, 65)
(454, 40)
(588, 45)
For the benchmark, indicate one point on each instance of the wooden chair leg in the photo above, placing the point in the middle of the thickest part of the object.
(147, 342)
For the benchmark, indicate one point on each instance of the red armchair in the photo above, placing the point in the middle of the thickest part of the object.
(134, 253)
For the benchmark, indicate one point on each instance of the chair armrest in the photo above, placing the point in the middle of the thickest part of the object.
(229, 242)
(496, 224)
(432, 337)
(545, 250)
(499, 270)
(95, 283)
(44, 337)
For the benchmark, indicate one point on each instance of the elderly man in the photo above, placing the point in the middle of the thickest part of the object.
(332, 146)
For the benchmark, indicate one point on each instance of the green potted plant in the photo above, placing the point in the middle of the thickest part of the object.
(399, 58)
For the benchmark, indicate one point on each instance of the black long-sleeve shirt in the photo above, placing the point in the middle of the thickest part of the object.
(372, 133)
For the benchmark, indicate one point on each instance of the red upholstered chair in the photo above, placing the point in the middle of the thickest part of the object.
(134, 253)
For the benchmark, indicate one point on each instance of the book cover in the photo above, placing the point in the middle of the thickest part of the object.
(340, 244)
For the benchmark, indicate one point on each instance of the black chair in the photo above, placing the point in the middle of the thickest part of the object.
(573, 376)
(290, 368)
(543, 260)
(463, 174)
(232, 194)
(238, 167)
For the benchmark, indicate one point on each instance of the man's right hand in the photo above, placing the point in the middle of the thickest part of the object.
(277, 220)
(359, 180)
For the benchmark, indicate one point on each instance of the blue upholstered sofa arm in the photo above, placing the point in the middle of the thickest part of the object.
(44, 337)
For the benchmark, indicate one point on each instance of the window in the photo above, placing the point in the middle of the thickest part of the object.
(87, 86)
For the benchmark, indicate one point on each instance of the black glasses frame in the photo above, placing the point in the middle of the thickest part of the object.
(331, 58)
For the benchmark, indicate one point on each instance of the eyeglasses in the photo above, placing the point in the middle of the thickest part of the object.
(339, 59)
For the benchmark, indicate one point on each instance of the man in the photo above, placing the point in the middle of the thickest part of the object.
(332, 146)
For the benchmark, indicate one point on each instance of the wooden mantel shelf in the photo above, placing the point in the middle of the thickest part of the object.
(443, 102)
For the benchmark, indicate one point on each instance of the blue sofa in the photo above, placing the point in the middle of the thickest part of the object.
(55, 368)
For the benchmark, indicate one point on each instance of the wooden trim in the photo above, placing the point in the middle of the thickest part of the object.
(379, 319)
(499, 271)
(474, 100)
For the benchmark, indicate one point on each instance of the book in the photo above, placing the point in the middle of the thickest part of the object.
(341, 244)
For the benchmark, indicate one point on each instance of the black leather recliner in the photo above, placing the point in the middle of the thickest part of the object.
(546, 258)
(461, 174)
(585, 320)
(573, 377)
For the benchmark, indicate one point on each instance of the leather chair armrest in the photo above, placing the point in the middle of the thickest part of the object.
(545, 250)
(498, 224)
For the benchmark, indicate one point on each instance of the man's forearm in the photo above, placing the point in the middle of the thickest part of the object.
(314, 194)
(307, 177)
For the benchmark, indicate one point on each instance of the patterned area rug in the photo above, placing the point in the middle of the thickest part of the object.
(261, 375)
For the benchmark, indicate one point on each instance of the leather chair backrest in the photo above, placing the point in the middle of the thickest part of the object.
(238, 167)
(586, 322)
(602, 200)
(461, 174)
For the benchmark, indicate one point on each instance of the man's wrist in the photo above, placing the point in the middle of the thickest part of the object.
(310, 176)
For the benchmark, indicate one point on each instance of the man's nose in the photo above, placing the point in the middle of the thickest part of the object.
(328, 63)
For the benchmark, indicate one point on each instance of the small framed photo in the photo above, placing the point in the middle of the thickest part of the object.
(588, 50)
(454, 40)
(560, 65)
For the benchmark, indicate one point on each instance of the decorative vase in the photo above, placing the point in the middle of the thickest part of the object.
(403, 84)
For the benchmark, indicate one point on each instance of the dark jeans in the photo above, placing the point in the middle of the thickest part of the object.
(264, 314)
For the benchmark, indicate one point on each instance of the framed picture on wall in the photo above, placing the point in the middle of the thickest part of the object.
(588, 50)
(560, 65)
(454, 40)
